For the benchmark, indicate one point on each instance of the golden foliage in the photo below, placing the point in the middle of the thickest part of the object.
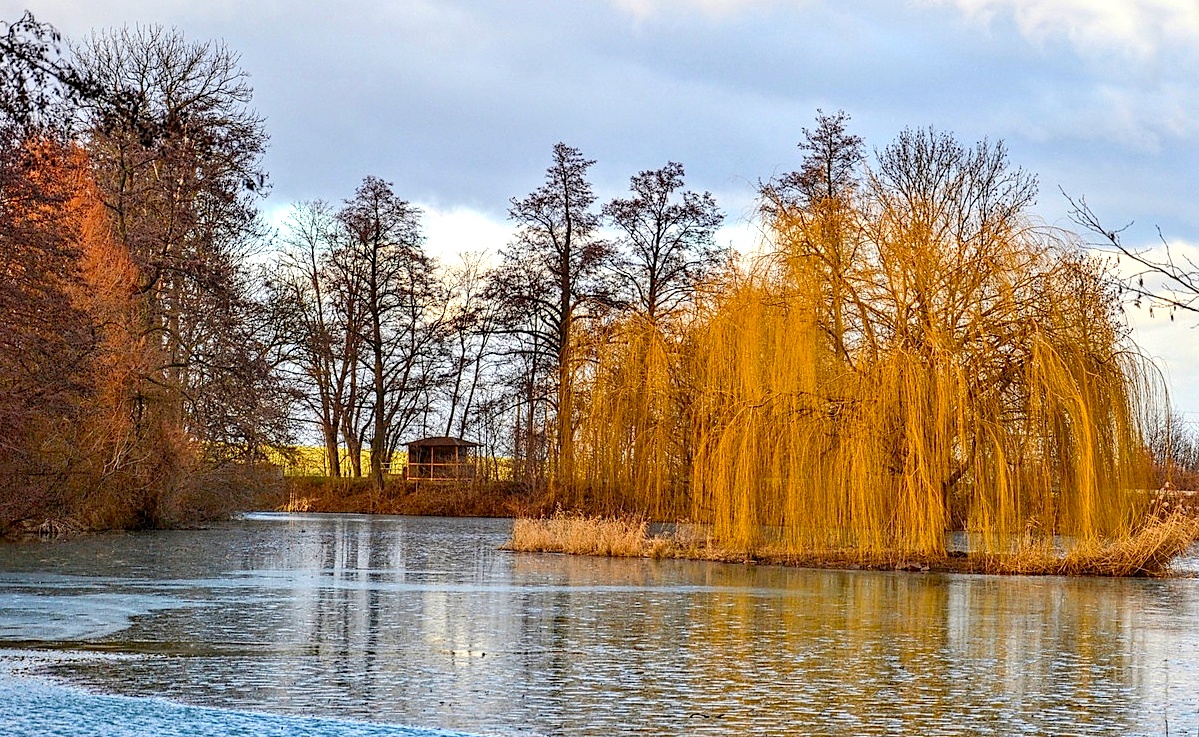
(891, 370)
(107, 456)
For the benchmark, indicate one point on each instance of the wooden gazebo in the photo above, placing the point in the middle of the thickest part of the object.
(441, 458)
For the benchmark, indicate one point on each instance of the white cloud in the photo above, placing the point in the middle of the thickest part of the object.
(449, 232)
(458, 230)
(1138, 27)
(1133, 27)
(1143, 118)
(1174, 346)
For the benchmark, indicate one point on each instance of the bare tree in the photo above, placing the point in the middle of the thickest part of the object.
(143, 150)
(321, 312)
(666, 241)
(40, 88)
(1163, 279)
(551, 276)
(831, 167)
(1175, 449)
(177, 152)
(404, 313)
(815, 211)
(472, 325)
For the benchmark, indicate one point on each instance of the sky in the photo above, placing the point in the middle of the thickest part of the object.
(458, 102)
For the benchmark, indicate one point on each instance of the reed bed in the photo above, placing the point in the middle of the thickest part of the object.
(1148, 552)
(582, 535)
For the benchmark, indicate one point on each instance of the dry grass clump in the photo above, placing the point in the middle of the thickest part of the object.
(1148, 552)
(565, 532)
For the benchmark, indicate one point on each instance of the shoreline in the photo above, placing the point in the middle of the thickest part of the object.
(1148, 553)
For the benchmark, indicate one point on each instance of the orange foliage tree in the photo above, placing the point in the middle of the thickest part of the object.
(74, 363)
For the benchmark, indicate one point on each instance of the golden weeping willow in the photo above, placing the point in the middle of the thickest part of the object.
(634, 436)
(892, 370)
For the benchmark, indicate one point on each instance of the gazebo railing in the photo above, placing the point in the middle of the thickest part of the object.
(455, 470)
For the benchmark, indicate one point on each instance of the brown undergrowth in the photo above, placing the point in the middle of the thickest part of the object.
(202, 496)
(422, 498)
(1148, 552)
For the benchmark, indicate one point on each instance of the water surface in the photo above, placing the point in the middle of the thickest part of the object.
(325, 624)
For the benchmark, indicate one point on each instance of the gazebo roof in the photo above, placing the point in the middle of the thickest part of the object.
(442, 442)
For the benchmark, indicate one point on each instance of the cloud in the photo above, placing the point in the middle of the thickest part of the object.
(457, 230)
(1138, 29)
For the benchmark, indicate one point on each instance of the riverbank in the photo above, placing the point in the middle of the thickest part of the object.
(1147, 553)
(203, 496)
(400, 496)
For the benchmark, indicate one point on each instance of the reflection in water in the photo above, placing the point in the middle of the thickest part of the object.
(423, 622)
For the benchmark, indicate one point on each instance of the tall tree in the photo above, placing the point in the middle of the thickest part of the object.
(46, 341)
(136, 268)
(39, 87)
(666, 240)
(321, 314)
(177, 151)
(814, 210)
(472, 325)
(404, 313)
(831, 165)
(550, 277)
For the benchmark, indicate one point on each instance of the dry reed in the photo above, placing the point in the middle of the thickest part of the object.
(575, 533)
(1148, 552)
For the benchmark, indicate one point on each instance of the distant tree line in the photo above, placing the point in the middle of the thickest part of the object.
(385, 344)
(157, 338)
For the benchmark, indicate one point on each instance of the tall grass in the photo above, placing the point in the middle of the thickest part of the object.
(1146, 552)
(581, 535)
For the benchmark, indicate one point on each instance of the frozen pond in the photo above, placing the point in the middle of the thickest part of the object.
(348, 625)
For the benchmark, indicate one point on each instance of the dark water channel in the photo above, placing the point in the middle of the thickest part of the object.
(347, 625)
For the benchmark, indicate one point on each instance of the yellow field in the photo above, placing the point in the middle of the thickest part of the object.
(309, 460)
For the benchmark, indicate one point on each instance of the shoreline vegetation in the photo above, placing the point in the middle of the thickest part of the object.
(1148, 552)
(404, 497)
(539, 526)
